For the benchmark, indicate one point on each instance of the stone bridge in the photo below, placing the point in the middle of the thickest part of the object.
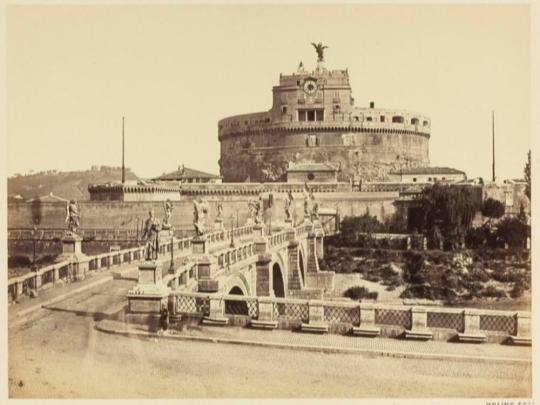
(283, 263)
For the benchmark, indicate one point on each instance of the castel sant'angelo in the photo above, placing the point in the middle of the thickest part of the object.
(314, 119)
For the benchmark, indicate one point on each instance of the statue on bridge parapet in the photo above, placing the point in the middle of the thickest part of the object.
(72, 217)
(259, 211)
(151, 234)
(314, 207)
(307, 193)
(200, 212)
(288, 206)
(168, 207)
(255, 211)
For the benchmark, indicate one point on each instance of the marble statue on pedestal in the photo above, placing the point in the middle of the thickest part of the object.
(200, 212)
(151, 234)
(72, 217)
(288, 206)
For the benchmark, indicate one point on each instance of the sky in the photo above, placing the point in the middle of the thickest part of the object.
(173, 71)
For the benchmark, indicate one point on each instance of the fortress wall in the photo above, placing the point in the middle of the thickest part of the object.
(126, 215)
(369, 155)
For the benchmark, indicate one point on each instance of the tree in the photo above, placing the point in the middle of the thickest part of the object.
(445, 213)
(513, 232)
(527, 173)
(351, 226)
(492, 208)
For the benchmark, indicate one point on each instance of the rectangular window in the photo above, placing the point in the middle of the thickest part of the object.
(382, 118)
(310, 115)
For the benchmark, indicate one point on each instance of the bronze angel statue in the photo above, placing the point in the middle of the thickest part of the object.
(319, 48)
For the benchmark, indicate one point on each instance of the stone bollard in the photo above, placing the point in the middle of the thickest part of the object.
(217, 312)
(419, 328)
(471, 327)
(367, 322)
(266, 315)
(316, 318)
(523, 329)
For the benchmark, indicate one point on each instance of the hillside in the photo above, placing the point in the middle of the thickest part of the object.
(68, 185)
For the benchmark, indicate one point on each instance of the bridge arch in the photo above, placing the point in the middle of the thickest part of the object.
(278, 280)
(233, 307)
(302, 265)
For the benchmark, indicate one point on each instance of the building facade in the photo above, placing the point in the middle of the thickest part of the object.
(314, 119)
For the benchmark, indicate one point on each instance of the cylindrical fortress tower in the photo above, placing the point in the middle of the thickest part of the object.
(313, 119)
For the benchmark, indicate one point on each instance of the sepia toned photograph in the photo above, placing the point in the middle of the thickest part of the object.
(278, 201)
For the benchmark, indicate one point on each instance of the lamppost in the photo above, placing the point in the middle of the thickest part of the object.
(232, 229)
(171, 267)
(34, 232)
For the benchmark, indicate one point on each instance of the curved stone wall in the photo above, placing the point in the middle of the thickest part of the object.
(362, 152)
(313, 119)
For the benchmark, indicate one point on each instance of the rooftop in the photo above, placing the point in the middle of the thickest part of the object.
(183, 173)
(428, 170)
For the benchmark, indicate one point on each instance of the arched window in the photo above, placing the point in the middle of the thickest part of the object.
(414, 121)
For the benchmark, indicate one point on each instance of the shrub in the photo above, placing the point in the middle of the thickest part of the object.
(518, 289)
(19, 261)
(492, 208)
(358, 293)
(513, 232)
(494, 292)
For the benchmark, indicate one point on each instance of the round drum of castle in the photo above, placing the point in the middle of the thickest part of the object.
(313, 119)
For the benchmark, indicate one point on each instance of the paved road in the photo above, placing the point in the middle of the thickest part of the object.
(61, 355)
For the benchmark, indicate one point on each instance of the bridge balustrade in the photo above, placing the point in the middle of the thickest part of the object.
(50, 275)
(498, 324)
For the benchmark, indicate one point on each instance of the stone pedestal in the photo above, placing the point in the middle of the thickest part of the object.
(367, 322)
(289, 223)
(419, 328)
(471, 330)
(217, 311)
(199, 245)
(207, 268)
(523, 329)
(266, 315)
(316, 318)
(218, 223)
(259, 230)
(150, 294)
(72, 252)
